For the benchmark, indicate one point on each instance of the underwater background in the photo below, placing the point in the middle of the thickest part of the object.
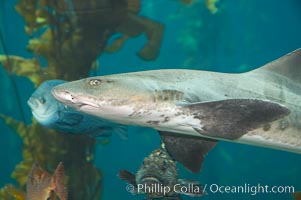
(237, 37)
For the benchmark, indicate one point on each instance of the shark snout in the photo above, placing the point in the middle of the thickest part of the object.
(63, 95)
(70, 99)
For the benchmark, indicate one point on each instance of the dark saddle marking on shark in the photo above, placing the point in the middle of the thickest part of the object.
(187, 150)
(232, 118)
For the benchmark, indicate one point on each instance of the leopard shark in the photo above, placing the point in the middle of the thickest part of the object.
(194, 109)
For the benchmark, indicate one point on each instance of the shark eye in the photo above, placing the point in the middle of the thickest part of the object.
(42, 100)
(94, 82)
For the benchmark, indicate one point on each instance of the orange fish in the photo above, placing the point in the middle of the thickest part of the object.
(41, 185)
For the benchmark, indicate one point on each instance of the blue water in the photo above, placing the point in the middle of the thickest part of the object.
(243, 35)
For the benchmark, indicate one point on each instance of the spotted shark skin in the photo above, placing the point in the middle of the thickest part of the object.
(260, 107)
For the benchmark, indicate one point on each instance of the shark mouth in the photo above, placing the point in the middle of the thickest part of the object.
(83, 102)
(69, 99)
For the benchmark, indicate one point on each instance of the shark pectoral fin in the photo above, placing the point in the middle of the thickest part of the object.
(232, 118)
(187, 150)
(127, 176)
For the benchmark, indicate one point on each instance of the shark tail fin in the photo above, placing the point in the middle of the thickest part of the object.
(288, 65)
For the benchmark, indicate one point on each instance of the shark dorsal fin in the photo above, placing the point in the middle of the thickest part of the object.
(288, 65)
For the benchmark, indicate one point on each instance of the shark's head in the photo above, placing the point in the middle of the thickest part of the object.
(43, 105)
(104, 97)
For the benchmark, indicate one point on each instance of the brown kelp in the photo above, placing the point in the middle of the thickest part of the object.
(77, 29)
(70, 35)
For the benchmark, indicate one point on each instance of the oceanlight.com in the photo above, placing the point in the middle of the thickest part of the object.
(209, 189)
(248, 189)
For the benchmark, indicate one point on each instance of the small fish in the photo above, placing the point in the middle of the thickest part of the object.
(158, 178)
(41, 185)
(51, 113)
(198, 108)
